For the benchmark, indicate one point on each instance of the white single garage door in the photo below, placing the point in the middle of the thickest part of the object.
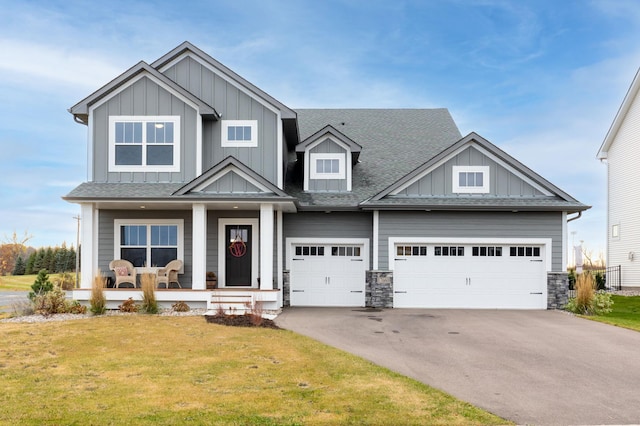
(327, 273)
(470, 275)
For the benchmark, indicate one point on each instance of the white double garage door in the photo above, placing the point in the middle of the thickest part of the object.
(427, 273)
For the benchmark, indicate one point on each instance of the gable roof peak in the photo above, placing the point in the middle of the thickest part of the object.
(631, 95)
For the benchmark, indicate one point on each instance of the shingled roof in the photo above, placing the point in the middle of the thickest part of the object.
(394, 142)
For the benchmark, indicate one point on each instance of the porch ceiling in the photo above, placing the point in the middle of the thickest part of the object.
(287, 207)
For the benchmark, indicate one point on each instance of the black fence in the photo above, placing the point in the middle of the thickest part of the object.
(608, 279)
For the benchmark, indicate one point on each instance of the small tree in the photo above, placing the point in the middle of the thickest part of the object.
(41, 285)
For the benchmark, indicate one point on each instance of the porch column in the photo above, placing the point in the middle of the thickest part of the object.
(266, 246)
(88, 251)
(199, 255)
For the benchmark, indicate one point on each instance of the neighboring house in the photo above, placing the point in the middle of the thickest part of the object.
(621, 152)
(309, 207)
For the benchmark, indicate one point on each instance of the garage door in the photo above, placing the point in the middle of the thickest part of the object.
(327, 274)
(473, 276)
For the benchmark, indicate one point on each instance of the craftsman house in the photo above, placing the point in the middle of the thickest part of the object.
(188, 161)
(621, 152)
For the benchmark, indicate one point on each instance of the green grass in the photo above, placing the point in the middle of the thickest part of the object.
(625, 313)
(18, 282)
(143, 369)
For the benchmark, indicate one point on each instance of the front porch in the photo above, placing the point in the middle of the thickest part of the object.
(231, 301)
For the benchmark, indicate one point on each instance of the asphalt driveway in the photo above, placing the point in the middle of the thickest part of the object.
(8, 298)
(531, 367)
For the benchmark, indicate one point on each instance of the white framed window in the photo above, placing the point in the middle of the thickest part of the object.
(327, 166)
(144, 143)
(239, 133)
(615, 231)
(471, 179)
(149, 242)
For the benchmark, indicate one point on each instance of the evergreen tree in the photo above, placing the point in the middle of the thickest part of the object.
(71, 260)
(49, 260)
(20, 266)
(60, 260)
(30, 264)
(39, 262)
(40, 285)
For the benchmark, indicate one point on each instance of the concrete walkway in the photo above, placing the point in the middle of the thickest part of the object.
(531, 367)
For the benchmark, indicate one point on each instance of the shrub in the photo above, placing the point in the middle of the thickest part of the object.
(602, 303)
(55, 302)
(98, 301)
(22, 308)
(65, 280)
(128, 305)
(41, 285)
(601, 282)
(180, 307)
(572, 279)
(149, 302)
(255, 312)
(587, 300)
(585, 291)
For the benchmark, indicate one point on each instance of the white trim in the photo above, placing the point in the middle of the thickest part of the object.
(199, 244)
(337, 241)
(199, 154)
(546, 242)
(281, 161)
(224, 138)
(87, 242)
(279, 255)
(144, 119)
(376, 235)
(486, 180)
(313, 171)
(565, 238)
(90, 149)
(222, 249)
(117, 223)
(266, 246)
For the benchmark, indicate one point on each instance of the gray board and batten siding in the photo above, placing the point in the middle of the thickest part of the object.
(312, 225)
(451, 224)
(233, 104)
(231, 183)
(331, 185)
(144, 98)
(107, 238)
(503, 182)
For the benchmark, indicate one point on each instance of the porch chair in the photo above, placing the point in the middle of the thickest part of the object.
(169, 274)
(124, 272)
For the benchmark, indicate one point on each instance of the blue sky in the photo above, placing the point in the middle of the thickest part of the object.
(540, 79)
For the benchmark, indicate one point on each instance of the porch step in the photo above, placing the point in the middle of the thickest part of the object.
(230, 303)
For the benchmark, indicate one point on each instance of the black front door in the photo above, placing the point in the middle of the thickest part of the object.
(238, 255)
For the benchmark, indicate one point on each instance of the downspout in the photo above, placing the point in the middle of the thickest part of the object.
(576, 217)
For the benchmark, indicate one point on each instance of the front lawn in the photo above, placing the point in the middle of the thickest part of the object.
(141, 369)
(17, 282)
(625, 313)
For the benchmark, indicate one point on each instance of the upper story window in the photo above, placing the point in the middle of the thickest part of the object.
(144, 143)
(240, 133)
(327, 166)
(470, 179)
(615, 231)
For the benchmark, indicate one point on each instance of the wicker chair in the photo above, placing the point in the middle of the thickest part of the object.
(124, 272)
(169, 274)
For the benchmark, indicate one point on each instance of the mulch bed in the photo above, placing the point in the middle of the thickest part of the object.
(240, 321)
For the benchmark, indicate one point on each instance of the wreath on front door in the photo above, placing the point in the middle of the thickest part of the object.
(238, 248)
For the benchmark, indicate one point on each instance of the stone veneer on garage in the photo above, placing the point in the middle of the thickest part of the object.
(557, 290)
(379, 289)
